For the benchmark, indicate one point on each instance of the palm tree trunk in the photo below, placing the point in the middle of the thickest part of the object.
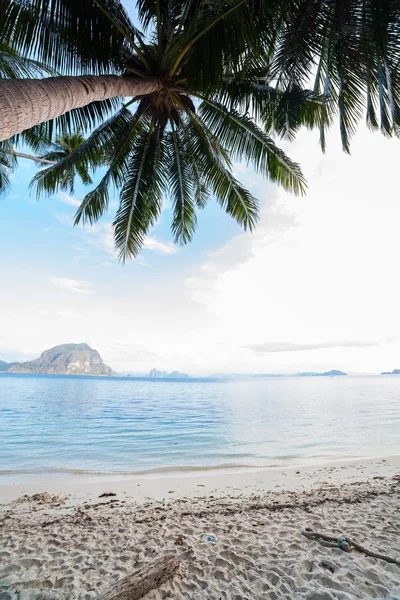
(28, 102)
(30, 157)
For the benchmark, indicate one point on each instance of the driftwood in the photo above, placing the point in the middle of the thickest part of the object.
(346, 544)
(136, 585)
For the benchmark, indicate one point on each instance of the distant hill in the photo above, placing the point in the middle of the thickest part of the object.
(333, 373)
(67, 359)
(394, 372)
(4, 366)
(155, 374)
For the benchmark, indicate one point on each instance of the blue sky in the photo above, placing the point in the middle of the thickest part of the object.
(54, 271)
(315, 287)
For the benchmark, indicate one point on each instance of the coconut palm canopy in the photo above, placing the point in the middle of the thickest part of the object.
(63, 146)
(207, 82)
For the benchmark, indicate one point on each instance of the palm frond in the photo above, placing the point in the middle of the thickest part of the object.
(216, 36)
(282, 112)
(213, 165)
(246, 141)
(8, 163)
(350, 103)
(63, 147)
(161, 15)
(92, 152)
(181, 188)
(70, 36)
(201, 193)
(355, 44)
(371, 117)
(13, 66)
(119, 150)
(141, 194)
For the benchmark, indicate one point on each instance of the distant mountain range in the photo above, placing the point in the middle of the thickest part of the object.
(333, 373)
(154, 374)
(67, 359)
(4, 366)
(81, 359)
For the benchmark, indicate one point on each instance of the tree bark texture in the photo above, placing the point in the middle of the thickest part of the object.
(28, 102)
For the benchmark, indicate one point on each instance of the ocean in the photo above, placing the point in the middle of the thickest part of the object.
(125, 425)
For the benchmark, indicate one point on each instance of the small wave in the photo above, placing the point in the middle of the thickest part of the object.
(187, 469)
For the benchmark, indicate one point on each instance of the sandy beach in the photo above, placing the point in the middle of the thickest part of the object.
(60, 540)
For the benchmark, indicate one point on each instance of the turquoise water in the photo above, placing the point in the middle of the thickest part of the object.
(56, 423)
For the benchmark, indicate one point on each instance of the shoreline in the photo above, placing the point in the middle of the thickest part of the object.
(241, 481)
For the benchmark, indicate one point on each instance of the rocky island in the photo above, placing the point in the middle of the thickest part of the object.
(155, 374)
(333, 373)
(66, 359)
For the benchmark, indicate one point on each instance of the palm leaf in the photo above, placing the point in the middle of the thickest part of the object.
(201, 193)
(13, 66)
(8, 163)
(141, 194)
(96, 202)
(70, 36)
(212, 162)
(216, 36)
(355, 44)
(246, 141)
(282, 111)
(92, 152)
(180, 181)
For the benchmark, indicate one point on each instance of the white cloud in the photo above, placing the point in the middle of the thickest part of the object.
(67, 199)
(269, 347)
(152, 243)
(129, 353)
(102, 236)
(72, 285)
(64, 219)
(317, 268)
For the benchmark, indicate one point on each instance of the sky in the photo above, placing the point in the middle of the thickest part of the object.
(315, 287)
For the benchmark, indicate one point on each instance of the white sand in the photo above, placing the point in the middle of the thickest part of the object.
(53, 550)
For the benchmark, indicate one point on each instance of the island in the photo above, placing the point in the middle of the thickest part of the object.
(66, 359)
(394, 372)
(155, 374)
(333, 373)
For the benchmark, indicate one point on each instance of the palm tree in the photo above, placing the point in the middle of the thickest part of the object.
(49, 153)
(210, 82)
(58, 151)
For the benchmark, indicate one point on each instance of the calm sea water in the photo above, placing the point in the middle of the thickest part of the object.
(56, 423)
